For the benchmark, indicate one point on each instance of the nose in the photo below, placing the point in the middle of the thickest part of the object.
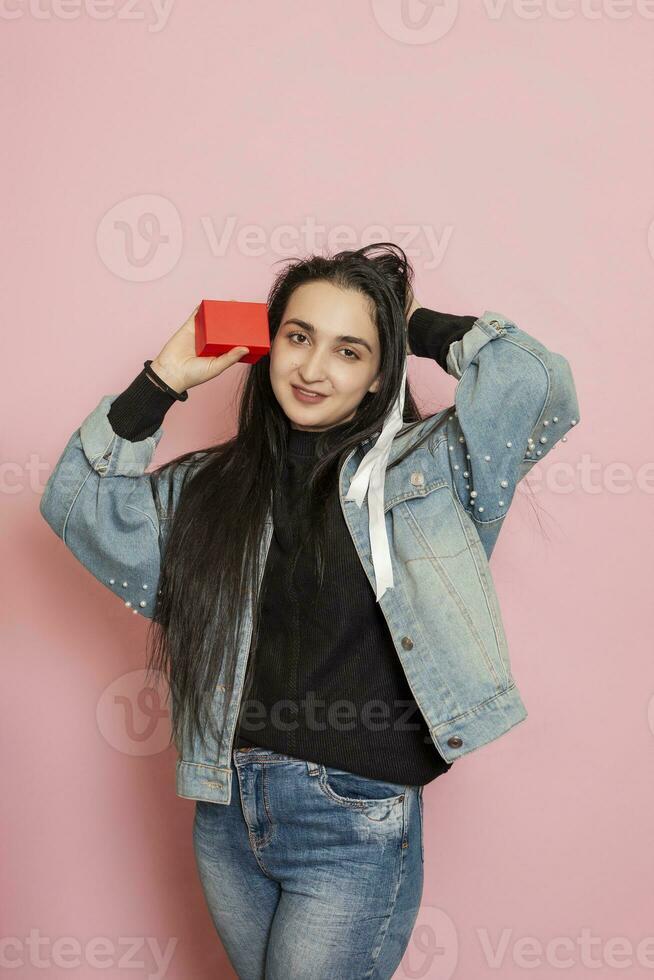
(311, 370)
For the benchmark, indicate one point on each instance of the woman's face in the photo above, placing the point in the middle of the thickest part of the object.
(327, 343)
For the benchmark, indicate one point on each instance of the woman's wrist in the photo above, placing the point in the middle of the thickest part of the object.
(166, 376)
(139, 410)
(430, 333)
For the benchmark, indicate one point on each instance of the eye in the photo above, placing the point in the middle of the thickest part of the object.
(355, 356)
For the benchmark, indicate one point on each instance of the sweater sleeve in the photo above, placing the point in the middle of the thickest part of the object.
(140, 409)
(431, 333)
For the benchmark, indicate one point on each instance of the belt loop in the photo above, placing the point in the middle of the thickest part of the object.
(313, 768)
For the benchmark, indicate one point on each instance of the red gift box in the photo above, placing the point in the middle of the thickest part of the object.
(221, 325)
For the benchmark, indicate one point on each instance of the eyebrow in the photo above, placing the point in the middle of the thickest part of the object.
(344, 338)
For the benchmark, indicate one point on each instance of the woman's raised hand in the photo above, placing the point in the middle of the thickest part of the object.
(178, 365)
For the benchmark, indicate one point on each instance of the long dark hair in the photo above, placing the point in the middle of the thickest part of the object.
(210, 561)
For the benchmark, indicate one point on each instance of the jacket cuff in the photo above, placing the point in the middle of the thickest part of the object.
(108, 453)
(140, 409)
(431, 333)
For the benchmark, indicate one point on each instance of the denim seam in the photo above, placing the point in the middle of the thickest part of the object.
(476, 708)
(481, 523)
(263, 761)
(383, 928)
(482, 585)
(442, 438)
(456, 597)
(72, 503)
(204, 765)
(143, 514)
(421, 816)
(100, 456)
(349, 803)
(266, 805)
(548, 375)
(416, 492)
(197, 799)
(516, 343)
(253, 844)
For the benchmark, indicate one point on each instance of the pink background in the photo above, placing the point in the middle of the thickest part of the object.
(522, 143)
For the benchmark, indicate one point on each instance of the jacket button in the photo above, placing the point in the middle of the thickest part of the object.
(455, 742)
(417, 479)
(407, 643)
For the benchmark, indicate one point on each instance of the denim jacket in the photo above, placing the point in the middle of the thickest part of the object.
(444, 507)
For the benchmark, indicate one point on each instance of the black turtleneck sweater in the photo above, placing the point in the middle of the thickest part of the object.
(317, 646)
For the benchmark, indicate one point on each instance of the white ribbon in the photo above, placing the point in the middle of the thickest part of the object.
(369, 478)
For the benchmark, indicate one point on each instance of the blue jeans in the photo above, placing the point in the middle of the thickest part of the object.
(311, 872)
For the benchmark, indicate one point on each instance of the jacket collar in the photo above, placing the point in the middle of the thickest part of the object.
(397, 447)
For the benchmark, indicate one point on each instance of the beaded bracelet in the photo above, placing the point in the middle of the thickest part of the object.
(180, 396)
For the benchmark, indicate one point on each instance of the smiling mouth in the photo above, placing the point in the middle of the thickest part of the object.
(314, 394)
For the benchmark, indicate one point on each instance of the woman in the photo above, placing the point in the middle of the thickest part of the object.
(280, 599)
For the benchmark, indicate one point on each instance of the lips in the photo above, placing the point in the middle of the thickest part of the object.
(305, 391)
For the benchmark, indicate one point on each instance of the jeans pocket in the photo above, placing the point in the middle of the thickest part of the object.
(358, 792)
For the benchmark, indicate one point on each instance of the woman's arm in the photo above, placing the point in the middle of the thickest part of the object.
(514, 401)
(107, 510)
(100, 501)
(430, 333)
(140, 409)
